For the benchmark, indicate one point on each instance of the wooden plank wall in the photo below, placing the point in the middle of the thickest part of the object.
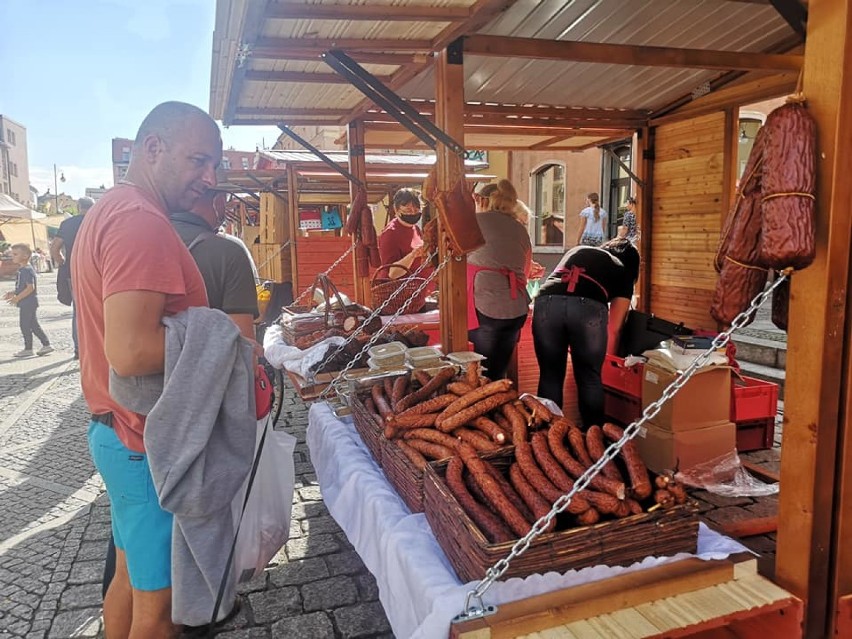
(315, 254)
(688, 209)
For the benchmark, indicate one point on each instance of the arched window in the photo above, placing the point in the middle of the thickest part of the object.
(749, 125)
(547, 224)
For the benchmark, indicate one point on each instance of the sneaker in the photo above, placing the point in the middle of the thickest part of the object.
(44, 350)
(27, 352)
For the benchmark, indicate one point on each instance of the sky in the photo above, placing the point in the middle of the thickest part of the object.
(77, 73)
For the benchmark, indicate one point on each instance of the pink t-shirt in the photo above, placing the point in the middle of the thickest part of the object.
(126, 243)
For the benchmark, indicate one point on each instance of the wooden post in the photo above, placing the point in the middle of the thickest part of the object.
(293, 221)
(449, 116)
(814, 560)
(729, 157)
(358, 168)
(644, 214)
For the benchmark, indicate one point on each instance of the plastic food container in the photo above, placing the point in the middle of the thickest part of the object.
(387, 355)
(424, 357)
(465, 357)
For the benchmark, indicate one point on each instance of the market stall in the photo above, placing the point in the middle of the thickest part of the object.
(418, 588)
(674, 78)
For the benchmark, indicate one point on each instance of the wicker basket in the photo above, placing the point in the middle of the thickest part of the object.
(382, 288)
(402, 475)
(616, 542)
(367, 427)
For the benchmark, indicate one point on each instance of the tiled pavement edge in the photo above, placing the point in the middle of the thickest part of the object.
(55, 521)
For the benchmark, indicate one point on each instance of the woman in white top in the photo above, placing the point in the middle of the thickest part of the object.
(592, 233)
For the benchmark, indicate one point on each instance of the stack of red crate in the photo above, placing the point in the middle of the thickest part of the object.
(754, 403)
(622, 390)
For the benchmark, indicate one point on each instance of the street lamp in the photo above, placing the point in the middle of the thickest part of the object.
(56, 186)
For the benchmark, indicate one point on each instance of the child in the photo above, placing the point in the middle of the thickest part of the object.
(26, 299)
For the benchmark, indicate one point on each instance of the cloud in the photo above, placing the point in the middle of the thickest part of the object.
(77, 178)
(150, 20)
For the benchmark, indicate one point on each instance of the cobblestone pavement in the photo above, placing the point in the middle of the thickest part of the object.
(55, 518)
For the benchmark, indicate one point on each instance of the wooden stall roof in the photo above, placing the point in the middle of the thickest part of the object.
(385, 173)
(549, 74)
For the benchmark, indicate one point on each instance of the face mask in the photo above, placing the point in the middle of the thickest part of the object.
(411, 219)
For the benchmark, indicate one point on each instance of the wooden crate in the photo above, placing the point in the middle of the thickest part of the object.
(250, 234)
(273, 219)
(273, 262)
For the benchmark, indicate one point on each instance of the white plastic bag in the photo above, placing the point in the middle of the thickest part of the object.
(265, 526)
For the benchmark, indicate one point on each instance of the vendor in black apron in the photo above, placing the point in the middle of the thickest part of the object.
(582, 306)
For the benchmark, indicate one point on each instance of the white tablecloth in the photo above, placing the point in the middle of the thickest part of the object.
(417, 586)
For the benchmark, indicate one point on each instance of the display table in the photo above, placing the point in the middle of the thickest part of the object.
(417, 586)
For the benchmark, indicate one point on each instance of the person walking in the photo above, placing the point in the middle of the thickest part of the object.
(593, 226)
(130, 270)
(25, 297)
(60, 253)
(582, 306)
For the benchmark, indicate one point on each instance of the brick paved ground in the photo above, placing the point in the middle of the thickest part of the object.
(55, 521)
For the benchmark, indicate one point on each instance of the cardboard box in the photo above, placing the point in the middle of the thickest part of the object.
(705, 399)
(663, 449)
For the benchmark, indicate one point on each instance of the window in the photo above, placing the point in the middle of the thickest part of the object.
(748, 128)
(619, 185)
(13, 169)
(245, 164)
(226, 163)
(548, 190)
(125, 154)
(10, 137)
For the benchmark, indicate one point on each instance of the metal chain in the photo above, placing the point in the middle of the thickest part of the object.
(473, 601)
(325, 272)
(385, 326)
(274, 255)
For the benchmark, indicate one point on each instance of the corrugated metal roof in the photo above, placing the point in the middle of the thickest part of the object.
(293, 45)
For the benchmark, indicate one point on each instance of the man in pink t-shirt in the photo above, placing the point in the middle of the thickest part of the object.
(130, 269)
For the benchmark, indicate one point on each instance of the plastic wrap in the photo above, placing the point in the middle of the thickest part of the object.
(726, 476)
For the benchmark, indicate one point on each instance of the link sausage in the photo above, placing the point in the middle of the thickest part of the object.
(415, 457)
(490, 428)
(511, 493)
(553, 471)
(596, 447)
(441, 378)
(430, 450)
(492, 491)
(468, 399)
(476, 439)
(639, 480)
(431, 435)
(429, 406)
(535, 502)
(491, 525)
(479, 408)
(555, 437)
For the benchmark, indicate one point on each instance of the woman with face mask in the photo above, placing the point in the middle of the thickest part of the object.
(401, 242)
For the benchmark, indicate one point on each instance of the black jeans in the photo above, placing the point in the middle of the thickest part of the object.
(561, 322)
(30, 326)
(496, 339)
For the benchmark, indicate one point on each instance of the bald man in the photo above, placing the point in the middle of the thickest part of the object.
(129, 270)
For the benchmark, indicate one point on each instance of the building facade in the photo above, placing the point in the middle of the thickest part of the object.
(14, 164)
(121, 148)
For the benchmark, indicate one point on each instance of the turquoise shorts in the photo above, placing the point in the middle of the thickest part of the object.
(140, 527)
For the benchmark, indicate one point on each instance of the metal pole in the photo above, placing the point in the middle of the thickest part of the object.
(55, 189)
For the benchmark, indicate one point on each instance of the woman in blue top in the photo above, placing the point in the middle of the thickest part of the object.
(593, 231)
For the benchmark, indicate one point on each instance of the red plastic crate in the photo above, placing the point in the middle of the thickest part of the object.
(757, 434)
(620, 407)
(753, 400)
(620, 378)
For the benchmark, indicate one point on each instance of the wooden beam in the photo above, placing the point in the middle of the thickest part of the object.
(358, 168)
(449, 90)
(508, 47)
(273, 120)
(730, 96)
(293, 210)
(729, 159)
(550, 141)
(501, 120)
(569, 112)
(251, 32)
(381, 13)
(815, 510)
(284, 112)
(321, 45)
(645, 213)
(510, 129)
(298, 76)
(364, 57)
